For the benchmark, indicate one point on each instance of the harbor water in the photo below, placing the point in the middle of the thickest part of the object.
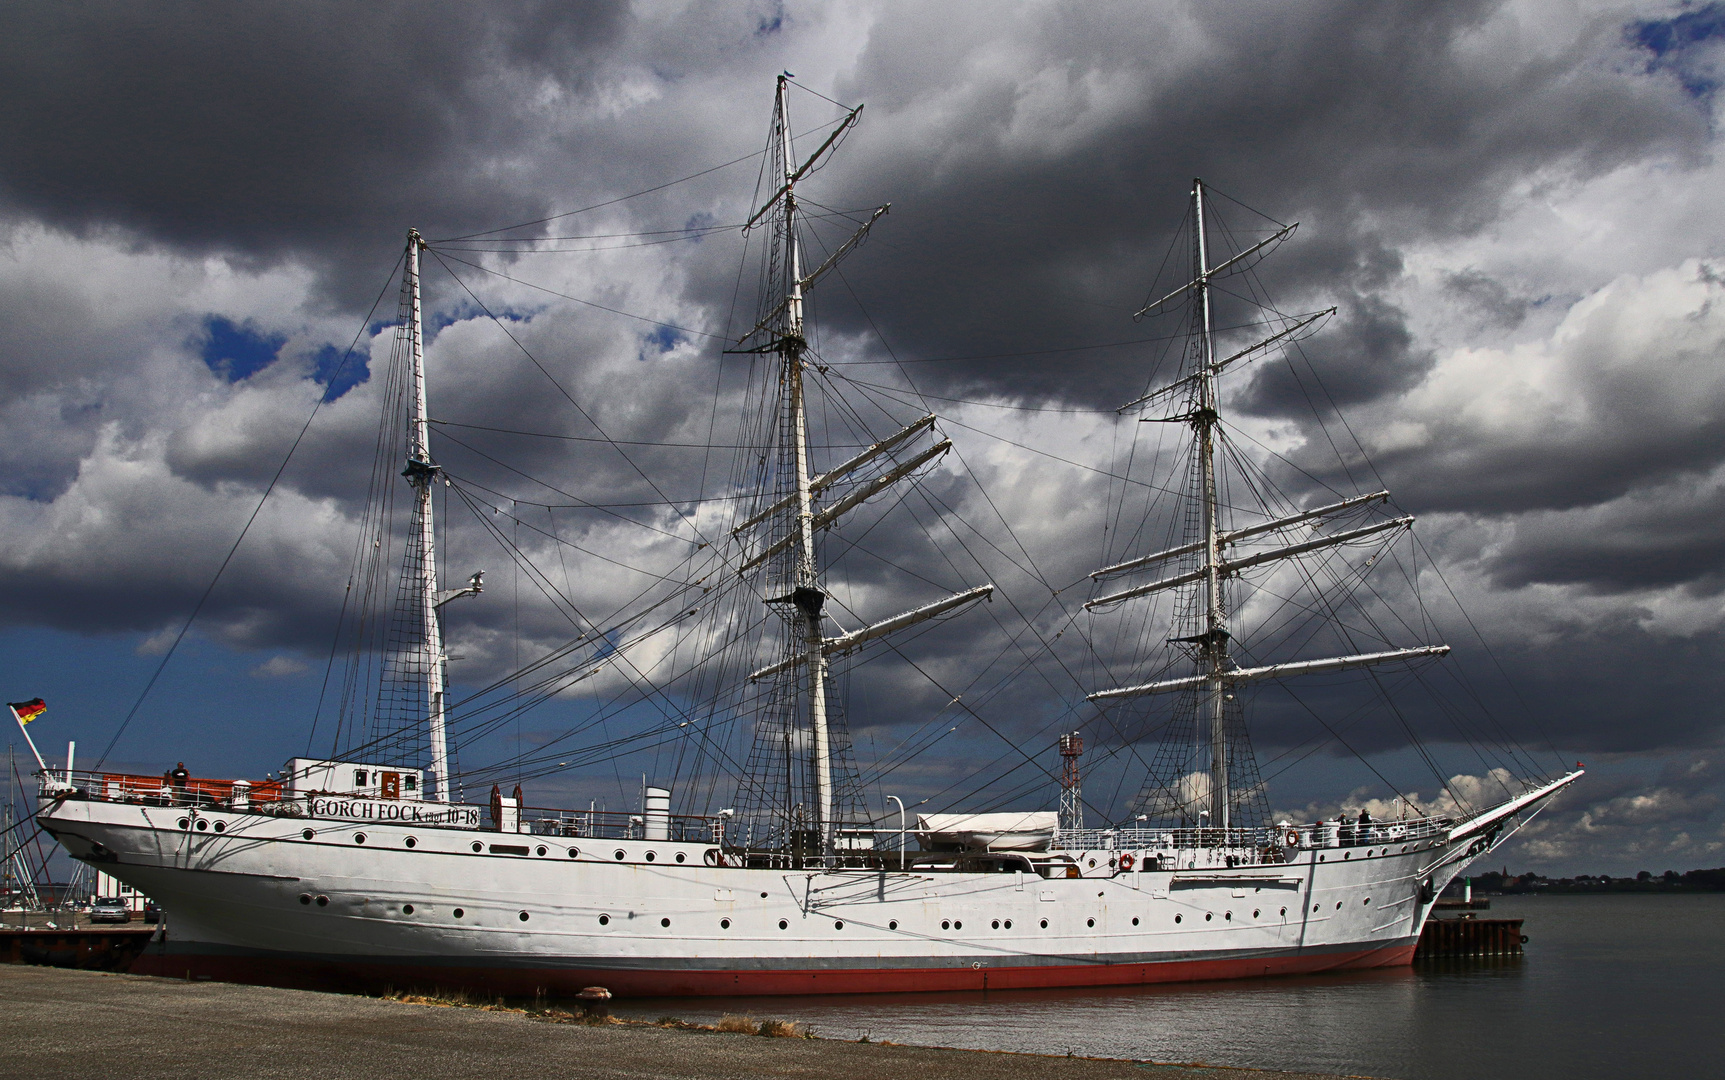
(1612, 986)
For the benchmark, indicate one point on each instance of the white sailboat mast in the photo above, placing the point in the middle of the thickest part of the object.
(422, 474)
(1214, 640)
(806, 592)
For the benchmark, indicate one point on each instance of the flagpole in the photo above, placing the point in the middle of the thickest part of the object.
(28, 739)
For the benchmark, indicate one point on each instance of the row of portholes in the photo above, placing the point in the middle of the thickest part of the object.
(407, 909)
(1228, 916)
(1316, 907)
(652, 856)
(413, 842)
(203, 825)
(1370, 852)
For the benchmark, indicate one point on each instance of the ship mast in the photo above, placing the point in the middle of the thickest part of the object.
(1214, 639)
(806, 594)
(421, 473)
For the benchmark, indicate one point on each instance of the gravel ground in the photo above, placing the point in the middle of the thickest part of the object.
(82, 1024)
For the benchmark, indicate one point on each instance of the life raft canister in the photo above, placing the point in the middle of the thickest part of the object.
(1126, 862)
(1293, 838)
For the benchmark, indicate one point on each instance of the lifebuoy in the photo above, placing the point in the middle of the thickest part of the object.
(1126, 861)
(1293, 838)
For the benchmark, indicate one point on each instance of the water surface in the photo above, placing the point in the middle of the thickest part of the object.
(1610, 986)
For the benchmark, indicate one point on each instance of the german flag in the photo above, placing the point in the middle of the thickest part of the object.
(28, 710)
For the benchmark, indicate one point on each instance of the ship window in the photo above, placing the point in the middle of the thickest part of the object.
(540, 850)
(651, 856)
(1089, 922)
(203, 826)
(1134, 920)
(359, 838)
(724, 924)
(997, 924)
(1208, 916)
(1320, 858)
(411, 842)
(763, 896)
(305, 898)
(307, 833)
(1338, 905)
(604, 920)
(838, 925)
(323, 901)
(619, 854)
(523, 916)
(410, 782)
(1347, 854)
(1314, 909)
(1254, 913)
(407, 909)
(680, 856)
(1009, 924)
(359, 778)
(1367, 900)
(478, 847)
(1228, 915)
(574, 853)
(1176, 918)
(1284, 913)
(892, 925)
(221, 826)
(459, 913)
(185, 823)
(783, 924)
(957, 925)
(946, 924)
(1045, 924)
(664, 922)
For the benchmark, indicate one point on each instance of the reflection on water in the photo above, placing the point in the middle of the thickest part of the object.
(1611, 986)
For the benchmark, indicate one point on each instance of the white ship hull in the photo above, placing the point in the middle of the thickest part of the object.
(260, 902)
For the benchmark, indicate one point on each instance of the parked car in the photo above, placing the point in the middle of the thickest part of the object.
(152, 912)
(109, 909)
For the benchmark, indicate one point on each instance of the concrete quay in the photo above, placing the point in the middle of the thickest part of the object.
(89, 1025)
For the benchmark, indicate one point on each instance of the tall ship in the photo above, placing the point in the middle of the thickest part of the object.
(752, 862)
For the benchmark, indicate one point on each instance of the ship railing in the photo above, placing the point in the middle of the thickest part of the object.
(1247, 846)
(240, 795)
(615, 825)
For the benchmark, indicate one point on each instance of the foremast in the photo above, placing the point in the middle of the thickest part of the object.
(1217, 672)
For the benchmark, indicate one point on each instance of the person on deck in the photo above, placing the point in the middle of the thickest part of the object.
(1365, 824)
(178, 777)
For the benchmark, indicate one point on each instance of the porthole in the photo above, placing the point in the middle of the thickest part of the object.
(724, 924)
(478, 847)
(680, 856)
(946, 924)
(411, 842)
(1254, 913)
(957, 925)
(1367, 900)
(763, 896)
(221, 826)
(1134, 920)
(407, 909)
(1320, 858)
(996, 924)
(1368, 853)
(783, 924)
(203, 826)
(651, 856)
(665, 922)
(1227, 916)
(186, 823)
(359, 838)
(1093, 862)
(619, 854)
(305, 834)
(1284, 913)
(604, 920)
(1347, 854)
(541, 850)
(1008, 924)
(1404, 849)
(1089, 922)
(1338, 905)
(458, 913)
(1314, 909)
(892, 925)
(323, 901)
(523, 916)
(574, 853)
(305, 898)
(1176, 918)
(838, 925)
(1208, 916)
(1045, 924)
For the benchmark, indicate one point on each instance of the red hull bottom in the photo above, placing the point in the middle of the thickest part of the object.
(308, 973)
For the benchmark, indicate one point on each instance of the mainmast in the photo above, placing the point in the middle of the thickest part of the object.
(421, 473)
(1214, 639)
(806, 594)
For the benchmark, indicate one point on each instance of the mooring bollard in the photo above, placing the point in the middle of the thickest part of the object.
(595, 1002)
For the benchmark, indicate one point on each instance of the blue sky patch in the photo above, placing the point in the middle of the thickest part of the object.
(338, 378)
(1672, 42)
(236, 351)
